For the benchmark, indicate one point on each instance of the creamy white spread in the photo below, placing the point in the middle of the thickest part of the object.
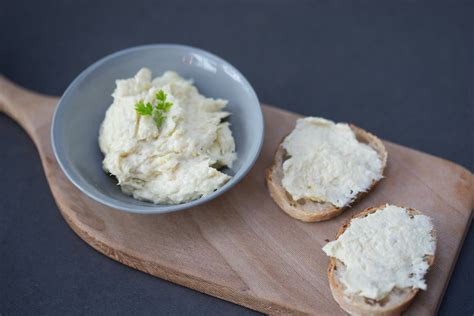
(326, 162)
(176, 162)
(384, 250)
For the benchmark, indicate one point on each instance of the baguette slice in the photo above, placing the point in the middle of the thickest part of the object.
(307, 210)
(394, 304)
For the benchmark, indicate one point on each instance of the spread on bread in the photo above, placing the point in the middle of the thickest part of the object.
(383, 250)
(327, 163)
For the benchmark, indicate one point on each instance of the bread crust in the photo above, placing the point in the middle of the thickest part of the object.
(394, 304)
(305, 209)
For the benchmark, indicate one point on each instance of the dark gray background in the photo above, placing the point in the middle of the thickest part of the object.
(401, 69)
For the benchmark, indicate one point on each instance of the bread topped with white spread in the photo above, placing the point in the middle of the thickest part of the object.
(323, 167)
(379, 260)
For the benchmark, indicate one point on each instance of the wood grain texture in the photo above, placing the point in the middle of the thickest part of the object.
(241, 247)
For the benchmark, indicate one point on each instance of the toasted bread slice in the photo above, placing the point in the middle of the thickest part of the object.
(394, 304)
(307, 210)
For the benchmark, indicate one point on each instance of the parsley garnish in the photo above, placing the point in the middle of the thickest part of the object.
(144, 109)
(158, 111)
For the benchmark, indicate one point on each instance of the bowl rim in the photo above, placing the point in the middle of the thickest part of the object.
(151, 208)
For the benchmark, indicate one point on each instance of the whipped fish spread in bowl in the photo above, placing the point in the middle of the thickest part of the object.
(164, 141)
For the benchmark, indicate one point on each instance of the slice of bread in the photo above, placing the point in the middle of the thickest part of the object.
(307, 210)
(395, 303)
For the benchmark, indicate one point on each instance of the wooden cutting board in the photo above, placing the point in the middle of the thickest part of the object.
(241, 247)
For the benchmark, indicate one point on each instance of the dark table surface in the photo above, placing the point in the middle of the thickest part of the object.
(401, 69)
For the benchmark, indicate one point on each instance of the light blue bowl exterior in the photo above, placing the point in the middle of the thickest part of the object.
(81, 110)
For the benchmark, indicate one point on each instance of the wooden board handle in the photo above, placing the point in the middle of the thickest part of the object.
(30, 109)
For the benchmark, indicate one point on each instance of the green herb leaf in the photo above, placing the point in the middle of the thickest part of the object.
(159, 106)
(161, 95)
(167, 106)
(143, 109)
